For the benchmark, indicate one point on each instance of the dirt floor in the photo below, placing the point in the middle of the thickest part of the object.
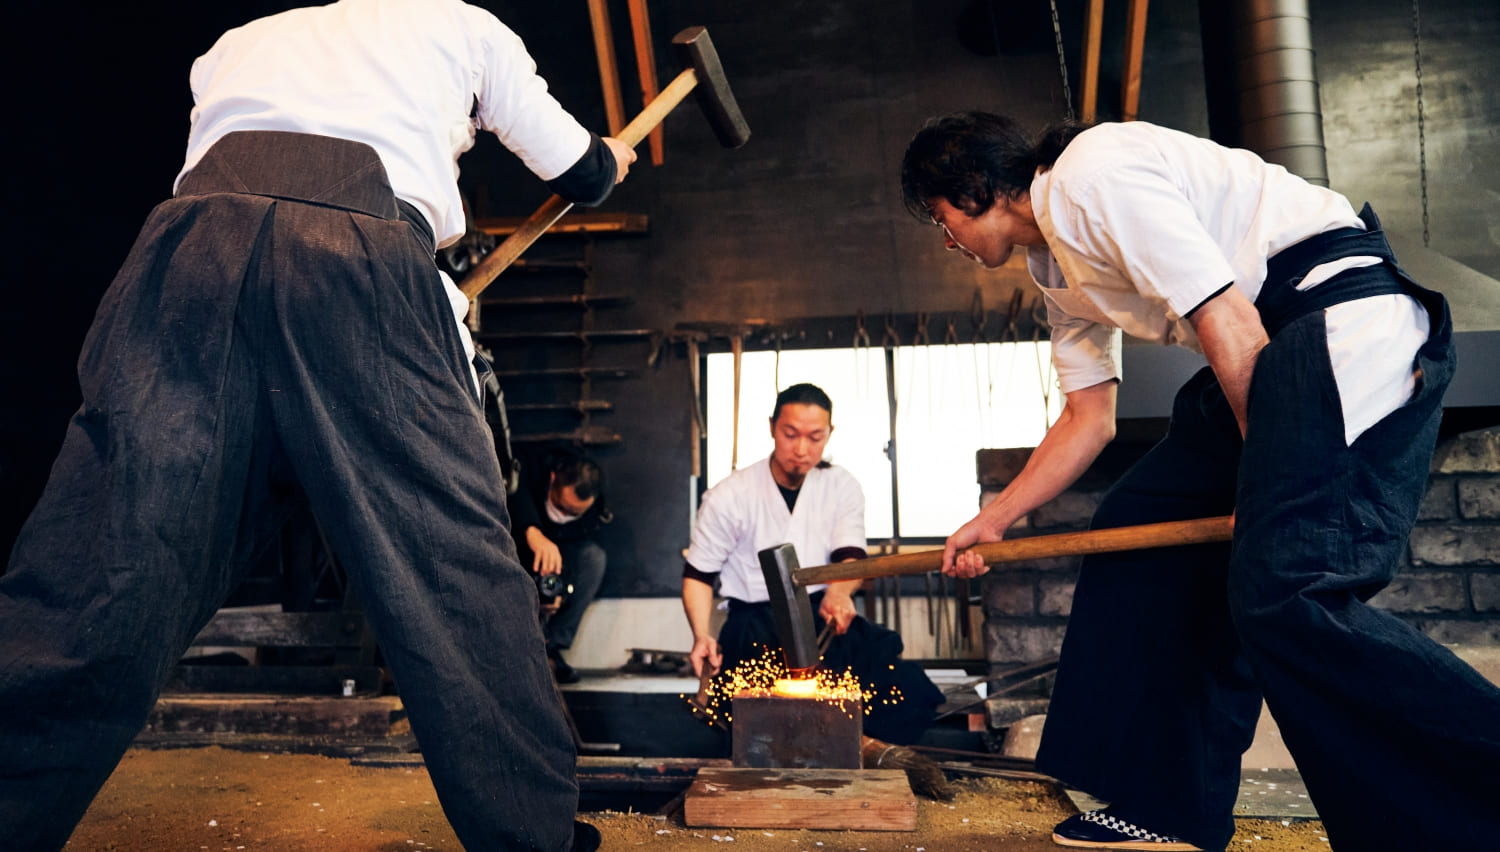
(211, 799)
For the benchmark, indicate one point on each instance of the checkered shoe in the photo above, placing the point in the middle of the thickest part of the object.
(1099, 830)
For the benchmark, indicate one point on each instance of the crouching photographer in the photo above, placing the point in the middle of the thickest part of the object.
(556, 513)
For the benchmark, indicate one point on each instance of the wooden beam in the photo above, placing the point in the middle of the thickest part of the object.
(1135, 45)
(1093, 30)
(645, 63)
(283, 629)
(578, 223)
(609, 73)
(840, 799)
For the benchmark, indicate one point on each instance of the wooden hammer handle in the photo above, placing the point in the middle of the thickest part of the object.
(553, 208)
(1169, 534)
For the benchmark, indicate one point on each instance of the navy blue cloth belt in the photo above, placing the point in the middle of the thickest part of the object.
(735, 604)
(1280, 301)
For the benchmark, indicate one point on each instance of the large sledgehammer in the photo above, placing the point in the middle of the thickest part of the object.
(787, 581)
(701, 72)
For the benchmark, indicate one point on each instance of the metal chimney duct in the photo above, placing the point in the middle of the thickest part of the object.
(1262, 85)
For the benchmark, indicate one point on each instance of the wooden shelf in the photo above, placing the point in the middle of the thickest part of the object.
(572, 223)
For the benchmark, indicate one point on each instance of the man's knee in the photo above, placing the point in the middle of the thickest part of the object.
(589, 560)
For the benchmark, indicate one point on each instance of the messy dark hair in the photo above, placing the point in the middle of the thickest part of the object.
(972, 159)
(577, 470)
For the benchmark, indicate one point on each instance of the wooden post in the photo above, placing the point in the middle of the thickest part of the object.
(645, 63)
(609, 74)
(1135, 44)
(1092, 33)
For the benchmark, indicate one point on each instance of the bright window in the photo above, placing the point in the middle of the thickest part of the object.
(951, 400)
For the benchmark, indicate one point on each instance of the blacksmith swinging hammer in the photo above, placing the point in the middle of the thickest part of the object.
(787, 581)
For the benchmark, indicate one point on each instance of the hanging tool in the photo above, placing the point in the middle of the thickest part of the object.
(861, 347)
(694, 368)
(978, 317)
(776, 367)
(1010, 332)
(703, 73)
(889, 340)
(1043, 367)
(922, 339)
(737, 346)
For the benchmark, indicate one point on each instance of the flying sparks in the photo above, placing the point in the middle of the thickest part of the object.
(767, 676)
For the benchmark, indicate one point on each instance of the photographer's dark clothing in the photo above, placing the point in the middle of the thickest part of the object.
(583, 559)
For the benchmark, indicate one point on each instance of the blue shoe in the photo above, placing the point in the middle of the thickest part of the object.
(1099, 830)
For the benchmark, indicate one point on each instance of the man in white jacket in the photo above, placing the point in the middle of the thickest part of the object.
(1313, 423)
(796, 497)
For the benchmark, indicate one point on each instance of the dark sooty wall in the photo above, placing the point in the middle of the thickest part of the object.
(803, 222)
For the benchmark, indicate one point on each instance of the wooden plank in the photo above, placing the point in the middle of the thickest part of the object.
(1093, 31)
(283, 629)
(609, 73)
(278, 680)
(305, 716)
(1135, 46)
(577, 223)
(840, 799)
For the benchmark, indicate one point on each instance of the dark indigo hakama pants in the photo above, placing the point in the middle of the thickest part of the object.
(276, 323)
(1169, 651)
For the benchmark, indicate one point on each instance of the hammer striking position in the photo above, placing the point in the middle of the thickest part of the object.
(794, 496)
(1314, 423)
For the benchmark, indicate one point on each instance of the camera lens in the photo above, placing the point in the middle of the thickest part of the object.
(549, 586)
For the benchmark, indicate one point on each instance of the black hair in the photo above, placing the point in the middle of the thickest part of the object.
(971, 159)
(577, 470)
(802, 394)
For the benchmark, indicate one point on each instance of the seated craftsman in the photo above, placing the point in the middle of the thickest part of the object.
(794, 496)
(556, 513)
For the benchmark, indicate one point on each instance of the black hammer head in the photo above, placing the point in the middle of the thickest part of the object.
(791, 608)
(696, 50)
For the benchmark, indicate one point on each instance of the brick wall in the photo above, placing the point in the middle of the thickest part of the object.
(1448, 586)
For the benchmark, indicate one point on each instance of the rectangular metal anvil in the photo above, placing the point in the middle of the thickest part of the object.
(773, 731)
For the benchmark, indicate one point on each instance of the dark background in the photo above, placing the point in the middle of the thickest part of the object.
(803, 223)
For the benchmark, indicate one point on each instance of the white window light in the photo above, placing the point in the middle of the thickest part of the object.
(952, 399)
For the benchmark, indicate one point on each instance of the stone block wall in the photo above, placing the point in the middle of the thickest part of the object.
(1448, 585)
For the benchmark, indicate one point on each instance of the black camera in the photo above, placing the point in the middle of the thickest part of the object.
(550, 587)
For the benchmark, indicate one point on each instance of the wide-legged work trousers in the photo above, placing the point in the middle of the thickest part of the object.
(280, 321)
(1168, 652)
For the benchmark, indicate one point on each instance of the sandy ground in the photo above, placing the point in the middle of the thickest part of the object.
(212, 799)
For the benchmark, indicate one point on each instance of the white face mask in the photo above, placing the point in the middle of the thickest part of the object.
(558, 516)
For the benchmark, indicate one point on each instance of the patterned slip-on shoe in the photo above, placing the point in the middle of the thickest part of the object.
(1099, 830)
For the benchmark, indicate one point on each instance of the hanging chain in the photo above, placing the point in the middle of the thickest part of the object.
(1062, 60)
(1416, 38)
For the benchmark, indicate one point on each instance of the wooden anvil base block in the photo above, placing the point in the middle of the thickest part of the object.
(775, 731)
(840, 799)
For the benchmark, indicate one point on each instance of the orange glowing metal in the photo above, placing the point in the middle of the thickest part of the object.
(796, 687)
(767, 676)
